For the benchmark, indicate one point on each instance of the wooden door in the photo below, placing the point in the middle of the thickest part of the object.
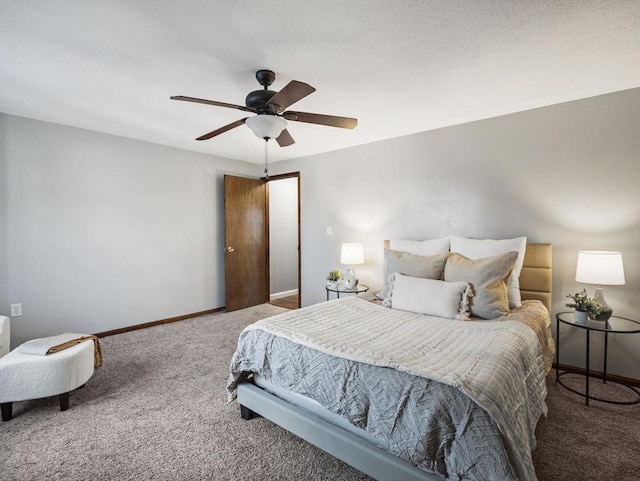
(246, 242)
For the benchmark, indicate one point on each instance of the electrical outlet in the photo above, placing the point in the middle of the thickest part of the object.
(16, 310)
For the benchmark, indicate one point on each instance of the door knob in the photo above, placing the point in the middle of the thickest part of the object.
(229, 249)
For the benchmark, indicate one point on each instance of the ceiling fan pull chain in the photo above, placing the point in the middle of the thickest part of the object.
(266, 159)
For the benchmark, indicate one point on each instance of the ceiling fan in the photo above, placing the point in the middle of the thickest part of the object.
(271, 119)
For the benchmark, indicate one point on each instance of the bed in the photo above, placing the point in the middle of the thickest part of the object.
(369, 385)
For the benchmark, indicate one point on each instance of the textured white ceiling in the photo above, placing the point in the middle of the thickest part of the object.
(400, 67)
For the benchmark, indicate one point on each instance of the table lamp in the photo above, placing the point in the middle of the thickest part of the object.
(351, 254)
(602, 268)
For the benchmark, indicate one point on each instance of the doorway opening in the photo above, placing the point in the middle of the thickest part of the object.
(283, 204)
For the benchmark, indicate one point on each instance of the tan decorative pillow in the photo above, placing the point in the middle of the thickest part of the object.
(478, 248)
(488, 278)
(428, 267)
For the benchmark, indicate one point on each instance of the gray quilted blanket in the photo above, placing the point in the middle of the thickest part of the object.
(461, 399)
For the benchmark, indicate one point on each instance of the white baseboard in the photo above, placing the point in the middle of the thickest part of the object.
(280, 295)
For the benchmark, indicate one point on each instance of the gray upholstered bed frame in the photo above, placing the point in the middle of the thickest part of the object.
(535, 283)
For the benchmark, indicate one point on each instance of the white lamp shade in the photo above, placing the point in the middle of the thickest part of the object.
(602, 268)
(352, 254)
(267, 126)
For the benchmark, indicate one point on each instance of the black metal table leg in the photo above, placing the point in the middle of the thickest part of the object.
(587, 376)
(557, 347)
(606, 342)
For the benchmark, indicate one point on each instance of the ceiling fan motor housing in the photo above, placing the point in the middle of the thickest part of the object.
(258, 100)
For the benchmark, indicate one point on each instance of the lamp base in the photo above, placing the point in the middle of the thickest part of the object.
(607, 312)
(349, 279)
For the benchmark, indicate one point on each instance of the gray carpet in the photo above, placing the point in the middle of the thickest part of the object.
(157, 410)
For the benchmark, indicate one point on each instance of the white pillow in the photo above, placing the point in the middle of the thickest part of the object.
(479, 248)
(421, 248)
(429, 296)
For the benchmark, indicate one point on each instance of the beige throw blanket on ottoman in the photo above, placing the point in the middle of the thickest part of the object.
(53, 344)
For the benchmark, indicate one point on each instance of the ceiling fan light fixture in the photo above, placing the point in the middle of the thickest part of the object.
(267, 126)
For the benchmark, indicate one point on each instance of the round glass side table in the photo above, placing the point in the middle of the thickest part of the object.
(340, 289)
(615, 325)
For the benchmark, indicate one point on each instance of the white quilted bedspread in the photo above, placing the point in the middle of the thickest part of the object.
(498, 364)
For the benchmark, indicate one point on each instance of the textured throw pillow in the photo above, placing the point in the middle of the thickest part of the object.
(429, 296)
(488, 279)
(478, 248)
(430, 267)
(421, 248)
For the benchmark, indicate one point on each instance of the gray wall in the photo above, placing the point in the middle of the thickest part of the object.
(283, 235)
(568, 174)
(101, 232)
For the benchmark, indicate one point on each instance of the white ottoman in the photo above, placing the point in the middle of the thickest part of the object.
(29, 376)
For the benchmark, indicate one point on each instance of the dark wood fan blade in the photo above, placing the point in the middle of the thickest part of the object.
(285, 139)
(290, 94)
(330, 120)
(211, 102)
(222, 130)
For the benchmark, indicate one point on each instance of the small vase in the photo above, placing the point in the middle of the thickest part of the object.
(581, 317)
